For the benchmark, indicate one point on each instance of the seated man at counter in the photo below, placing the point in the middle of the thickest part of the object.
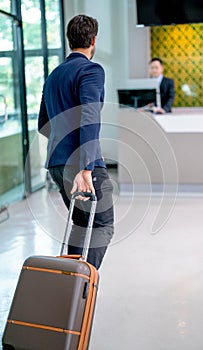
(167, 91)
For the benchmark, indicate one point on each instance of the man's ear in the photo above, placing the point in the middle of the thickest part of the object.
(94, 40)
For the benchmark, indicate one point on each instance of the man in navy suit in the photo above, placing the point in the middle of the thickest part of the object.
(166, 85)
(69, 117)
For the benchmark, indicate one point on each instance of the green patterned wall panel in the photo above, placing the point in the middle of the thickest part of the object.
(181, 48)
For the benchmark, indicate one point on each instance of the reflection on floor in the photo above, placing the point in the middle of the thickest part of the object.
(151, 286)
(16, 193)
(13, 195)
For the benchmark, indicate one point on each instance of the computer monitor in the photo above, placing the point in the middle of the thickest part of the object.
(139, 93)
(159, 12)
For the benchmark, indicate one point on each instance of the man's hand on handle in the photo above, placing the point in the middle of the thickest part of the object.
(83, 183)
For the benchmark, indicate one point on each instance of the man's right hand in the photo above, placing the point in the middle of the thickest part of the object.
(83, 183)
(158, 110)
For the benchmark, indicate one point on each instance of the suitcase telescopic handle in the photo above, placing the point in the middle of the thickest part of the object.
(88, 234)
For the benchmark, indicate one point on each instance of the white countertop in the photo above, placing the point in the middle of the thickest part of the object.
(182, 120)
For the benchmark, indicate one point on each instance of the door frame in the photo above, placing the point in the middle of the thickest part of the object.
(18, 40)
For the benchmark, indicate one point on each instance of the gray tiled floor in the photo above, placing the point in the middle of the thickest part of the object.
(151, 288)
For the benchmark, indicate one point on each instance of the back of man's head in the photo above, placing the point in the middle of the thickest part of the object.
(81, 30)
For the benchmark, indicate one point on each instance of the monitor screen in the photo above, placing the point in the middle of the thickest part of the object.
(160, 12)
(136, 98)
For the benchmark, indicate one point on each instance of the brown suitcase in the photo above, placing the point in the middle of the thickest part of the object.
(54, 301)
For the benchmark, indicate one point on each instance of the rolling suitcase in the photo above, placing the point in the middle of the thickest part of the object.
(54, 301)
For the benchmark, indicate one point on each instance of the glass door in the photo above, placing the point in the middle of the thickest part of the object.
(43, 52)
(32, 11)
(32, 44)
(11, 153)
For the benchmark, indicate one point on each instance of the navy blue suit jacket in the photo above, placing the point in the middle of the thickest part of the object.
(167, 93)
(70, 111)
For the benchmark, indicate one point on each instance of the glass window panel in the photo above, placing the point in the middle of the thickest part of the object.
(5, 5)
(53, 62)
(11, 163)
(37, 153)
(34, 83)
(7, 83)
(6, 35)
(31, 15)
(53, 23)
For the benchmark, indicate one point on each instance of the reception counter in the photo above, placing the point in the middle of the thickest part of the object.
(159, 152)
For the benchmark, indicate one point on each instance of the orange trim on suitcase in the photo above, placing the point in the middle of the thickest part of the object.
(39, 326)
(60, 272)
(89, 310)
(72, 256)
(90, 304)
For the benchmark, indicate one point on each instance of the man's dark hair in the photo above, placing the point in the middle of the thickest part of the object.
(80, 31)
(157, 59)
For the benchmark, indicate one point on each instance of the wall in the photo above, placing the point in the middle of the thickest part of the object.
(181, 48)
(138, 45)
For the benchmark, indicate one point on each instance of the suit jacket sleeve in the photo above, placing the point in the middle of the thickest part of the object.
(170, 96)
(91, 91)
(43, 120)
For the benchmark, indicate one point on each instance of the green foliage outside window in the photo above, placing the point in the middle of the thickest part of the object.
(33, 45)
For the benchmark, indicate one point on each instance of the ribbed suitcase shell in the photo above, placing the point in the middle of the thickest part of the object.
(53, 305)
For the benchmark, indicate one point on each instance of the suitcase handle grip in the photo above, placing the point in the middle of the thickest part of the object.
(91, 195)
(93, 199)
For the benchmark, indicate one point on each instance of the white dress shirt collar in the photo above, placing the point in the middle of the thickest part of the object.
(159, 79)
